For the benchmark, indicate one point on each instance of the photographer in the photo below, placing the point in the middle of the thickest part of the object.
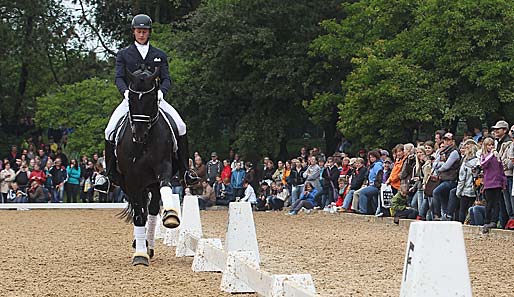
(7, 176)
(36, 193)
(22, 176)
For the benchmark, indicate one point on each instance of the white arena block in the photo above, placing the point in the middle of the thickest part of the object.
(207, 256)
(171, 235)
(160, 230)
(239, 269)
(435, 261)
(191, 216)
(187, 243)
(298, 285)
(241, 234)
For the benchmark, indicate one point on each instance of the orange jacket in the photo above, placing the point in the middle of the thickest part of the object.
(394, 178)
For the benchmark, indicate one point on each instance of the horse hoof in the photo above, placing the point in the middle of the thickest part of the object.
(170, 219)
(151, 253)
(140, 260)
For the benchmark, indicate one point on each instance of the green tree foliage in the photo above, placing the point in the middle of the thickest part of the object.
(409, 64)
(41, 51)
(85, 106)
(247, 71)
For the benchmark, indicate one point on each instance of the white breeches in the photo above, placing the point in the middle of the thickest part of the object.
(123, 108)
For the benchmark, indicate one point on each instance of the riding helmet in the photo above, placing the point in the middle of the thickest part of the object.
(141, 21)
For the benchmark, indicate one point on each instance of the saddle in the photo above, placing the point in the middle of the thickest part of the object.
(123, 123)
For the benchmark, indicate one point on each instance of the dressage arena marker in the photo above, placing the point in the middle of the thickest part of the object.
(435, 261)
(240, 265)
(192, 224)
(171, 235)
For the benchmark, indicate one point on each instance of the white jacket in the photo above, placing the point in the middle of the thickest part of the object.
(465, 184)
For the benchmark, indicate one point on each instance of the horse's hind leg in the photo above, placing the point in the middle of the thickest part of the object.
(140, 256)
(153, 211)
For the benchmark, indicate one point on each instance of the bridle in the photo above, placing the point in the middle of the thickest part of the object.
(142, 118)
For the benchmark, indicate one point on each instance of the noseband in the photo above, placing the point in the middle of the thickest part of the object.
(142, 118)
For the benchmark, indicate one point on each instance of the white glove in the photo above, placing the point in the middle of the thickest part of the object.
(125, 94)
(160, 95)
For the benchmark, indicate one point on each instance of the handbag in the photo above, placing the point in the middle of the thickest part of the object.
(432, 183)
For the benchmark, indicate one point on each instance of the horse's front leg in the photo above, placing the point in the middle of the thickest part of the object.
(140, 256)
(170, 217)
(153, 210)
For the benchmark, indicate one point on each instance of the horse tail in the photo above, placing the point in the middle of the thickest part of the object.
(127, 214)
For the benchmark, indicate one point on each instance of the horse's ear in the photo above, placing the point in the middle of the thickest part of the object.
(154, 74)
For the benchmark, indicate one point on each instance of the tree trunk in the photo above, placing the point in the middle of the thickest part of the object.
(283, 154)
(330, 133)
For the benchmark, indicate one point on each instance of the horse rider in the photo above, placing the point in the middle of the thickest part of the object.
(141, 55)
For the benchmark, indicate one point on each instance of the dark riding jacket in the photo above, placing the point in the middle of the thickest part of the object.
(130, 58)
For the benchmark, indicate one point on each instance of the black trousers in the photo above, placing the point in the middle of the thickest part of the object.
(492, 207)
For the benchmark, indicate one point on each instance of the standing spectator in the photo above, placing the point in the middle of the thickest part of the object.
(285, 175)
(62, 156)
(37, 174)
(503, 143)
(214, 168)
(330, 182)
(22, 177)
(279, 173)
(494, 181)
(345, 167)
(269, 170)
(466, 183)
(87, 173)
(227, 170)
(201, 171)
(236, 160)
(13, 156)
(48, 184)
(306, 199)
(59, 176)
(7, 176)
(303, 153)
(237, 179)
(296, 180)
(251, 176)
(447, 166)
(394, 177)
(312, 173)
(73, 181)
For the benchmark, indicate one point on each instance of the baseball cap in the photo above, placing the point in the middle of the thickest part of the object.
(384, 153)
(213, 154)
(501, 125)
(448, 136)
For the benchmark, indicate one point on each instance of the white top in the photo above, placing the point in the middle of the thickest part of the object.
(142, 48)
(250, 195)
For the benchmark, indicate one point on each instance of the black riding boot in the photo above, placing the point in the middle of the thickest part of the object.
(183, 160)
(110, 162)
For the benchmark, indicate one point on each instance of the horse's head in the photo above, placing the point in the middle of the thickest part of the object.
(143, 102)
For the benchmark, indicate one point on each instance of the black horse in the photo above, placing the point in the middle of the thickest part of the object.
(146, 152)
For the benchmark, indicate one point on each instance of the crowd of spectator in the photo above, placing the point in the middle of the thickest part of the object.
(439, 179)
(42, 173)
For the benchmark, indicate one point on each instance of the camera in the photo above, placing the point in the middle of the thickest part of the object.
(476, 171)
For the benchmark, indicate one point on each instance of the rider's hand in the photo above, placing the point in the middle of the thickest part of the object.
(160, 95)
(125, 94)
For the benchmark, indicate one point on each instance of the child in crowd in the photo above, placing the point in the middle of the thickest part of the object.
(249, 194)
(494, 181)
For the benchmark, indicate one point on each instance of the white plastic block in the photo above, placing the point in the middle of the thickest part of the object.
(160, 230)
(241, 234)
(171, 235)
(208, 256)
(191, 215)
(295, 285)
(435, 261)
(187, 243)
(240, 266)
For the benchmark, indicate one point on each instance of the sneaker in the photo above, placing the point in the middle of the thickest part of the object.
(380, 214)
(317, 207)
(327, 208)
(291, 213)
(485, 229)
(308, 211)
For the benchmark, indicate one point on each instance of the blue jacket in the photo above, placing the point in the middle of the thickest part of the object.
(73, 175)
(236, 180)
(131, 59)
(373, 171)
(310, 196)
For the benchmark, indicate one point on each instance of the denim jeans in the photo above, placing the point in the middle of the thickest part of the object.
(295, 193)
(477, 215)
(368, 199)
(417, 200)
(441, 196)
(178, 190)
(348, 199)
(58, 195)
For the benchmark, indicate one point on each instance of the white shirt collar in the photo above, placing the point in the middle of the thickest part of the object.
(142, 48)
